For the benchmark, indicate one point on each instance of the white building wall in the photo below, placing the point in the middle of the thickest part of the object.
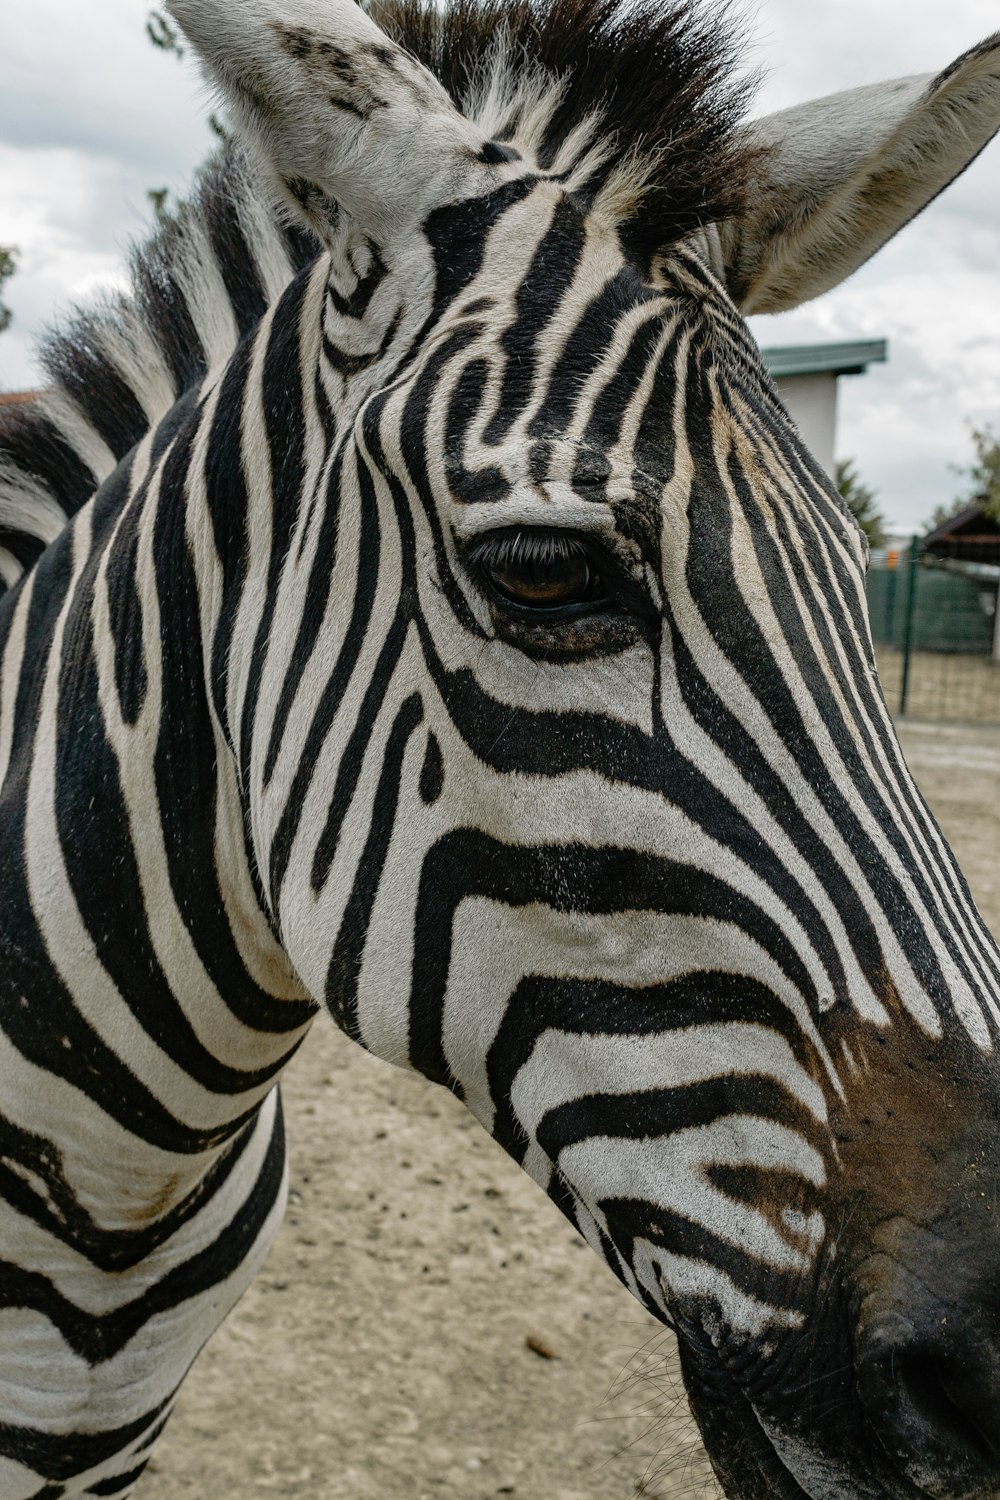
(812, 402)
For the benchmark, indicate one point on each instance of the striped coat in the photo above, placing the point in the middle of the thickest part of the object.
(429, 611)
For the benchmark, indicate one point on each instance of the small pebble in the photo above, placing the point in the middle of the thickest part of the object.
(539, 1347)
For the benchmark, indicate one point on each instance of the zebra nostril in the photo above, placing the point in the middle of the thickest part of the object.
(947, 1405)
(935, 1414)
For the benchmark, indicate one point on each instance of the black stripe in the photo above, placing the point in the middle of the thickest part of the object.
(120, 1483)
(281, 396)
(345, 963)
(186, 782)
(569, 877)
(87, 375)
(60, 1459)
(349, 650)
(596, 1008)
(98, 1339)
(557, 255)
(63, 1217)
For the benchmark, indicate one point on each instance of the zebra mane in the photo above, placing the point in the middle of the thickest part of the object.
(648, 98)
(655, 86)
(114, 370)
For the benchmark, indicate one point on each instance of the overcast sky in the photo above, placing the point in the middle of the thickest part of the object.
(91, 117)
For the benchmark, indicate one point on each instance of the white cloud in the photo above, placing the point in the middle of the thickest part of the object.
(808, 50)
(934, 292)
(907, 423)
(91, 116)
(54, 212)
(86, 76)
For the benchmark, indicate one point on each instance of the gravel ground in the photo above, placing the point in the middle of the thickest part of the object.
(428, 1327)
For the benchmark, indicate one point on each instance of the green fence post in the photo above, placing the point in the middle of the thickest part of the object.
(911, 606)
(889, 627)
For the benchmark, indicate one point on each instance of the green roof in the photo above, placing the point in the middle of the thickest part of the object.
(825, 359)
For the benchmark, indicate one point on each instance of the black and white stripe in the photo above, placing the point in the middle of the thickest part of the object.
(646, 881)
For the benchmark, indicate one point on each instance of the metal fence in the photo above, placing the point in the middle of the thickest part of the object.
(936, 633)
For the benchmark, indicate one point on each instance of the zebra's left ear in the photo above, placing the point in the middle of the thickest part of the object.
(332, 110)
(843, 174)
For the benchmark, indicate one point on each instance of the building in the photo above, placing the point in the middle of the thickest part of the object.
(806, 376)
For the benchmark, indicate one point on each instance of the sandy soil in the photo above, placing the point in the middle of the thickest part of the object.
(395, 1345)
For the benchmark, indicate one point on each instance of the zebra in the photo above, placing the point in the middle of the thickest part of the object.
(419, 604)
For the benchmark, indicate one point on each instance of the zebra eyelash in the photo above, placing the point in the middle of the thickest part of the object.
(528, 545)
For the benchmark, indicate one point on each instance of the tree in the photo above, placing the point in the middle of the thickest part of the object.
(8, 265)
(984, 472)
(942, 513)
(164, 35)
(860, 501)
(983, 475)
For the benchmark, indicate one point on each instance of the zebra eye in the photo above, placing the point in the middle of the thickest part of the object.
(540, 570)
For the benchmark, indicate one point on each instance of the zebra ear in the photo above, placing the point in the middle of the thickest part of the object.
(841, 175)
(332, 109)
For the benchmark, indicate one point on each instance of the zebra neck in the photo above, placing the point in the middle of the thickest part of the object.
(145, 1006)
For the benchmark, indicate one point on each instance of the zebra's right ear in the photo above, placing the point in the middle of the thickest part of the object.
(839, 176)
(335, 112)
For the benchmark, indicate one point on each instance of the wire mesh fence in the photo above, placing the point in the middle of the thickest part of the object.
(934, 619)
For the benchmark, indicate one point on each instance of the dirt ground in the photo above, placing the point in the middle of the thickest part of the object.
(384, 1352)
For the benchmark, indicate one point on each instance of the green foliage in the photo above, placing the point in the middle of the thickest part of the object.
(942, 513)
(983, 476)
(860, 501)
(8, 265)
(158, 198)
(164, 35)
(983, 473)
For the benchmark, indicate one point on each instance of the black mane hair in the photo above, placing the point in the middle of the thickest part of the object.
(665, 78)
(45, 464)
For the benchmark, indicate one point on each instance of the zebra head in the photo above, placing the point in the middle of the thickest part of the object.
(542, 649)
